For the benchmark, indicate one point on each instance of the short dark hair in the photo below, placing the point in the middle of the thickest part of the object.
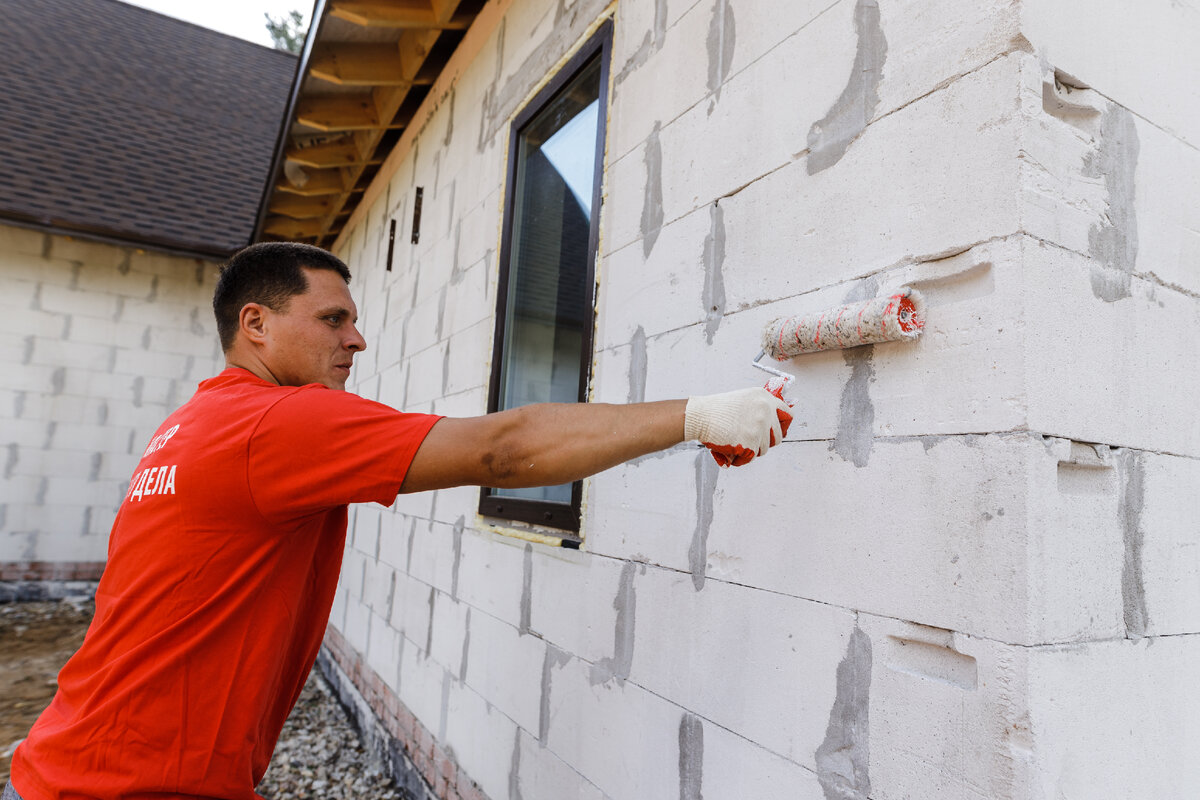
(268, 273)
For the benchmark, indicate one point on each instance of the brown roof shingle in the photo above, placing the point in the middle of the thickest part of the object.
(125, 123)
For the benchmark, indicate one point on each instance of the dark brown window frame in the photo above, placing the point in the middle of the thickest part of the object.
(560, 516)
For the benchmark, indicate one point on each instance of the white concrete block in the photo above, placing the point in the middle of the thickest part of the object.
(59, 299)
(29, 435)
(412, 610)
(67, 248)
(394, 531)
(1114, 48)
(543, 776)
(736, 767)
(683, 647)
(469, 302)
(75, 355)
(506, 667)
(21, 321)
(490, 575)
(1115, 719)
(844, 222)
(614, 734)
(1128, 378)
(383, 650)
(573, 600)
(103, 278)
(33, 378)
(135, 362)
(622, 522)
(358, 620)
(196, 342)
(1164, 519)
(932, 546)
(945, 714)
(1167, 206)
(81, 491)
(97, 331)
(379, 587)
(421, 681)
(18, 288)
(353, 575)
(70, 548)
(481, 738)
(425, 370)
(450, 631)
(433, 555)
(465, 369)
(659, 292)
(22, 240)
(91, 438)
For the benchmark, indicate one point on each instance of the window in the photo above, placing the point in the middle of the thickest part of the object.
(544, 319)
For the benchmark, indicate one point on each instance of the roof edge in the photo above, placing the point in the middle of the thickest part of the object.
(185, 249)
(281, 138)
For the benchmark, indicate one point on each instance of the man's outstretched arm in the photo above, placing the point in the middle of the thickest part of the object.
(552, 443)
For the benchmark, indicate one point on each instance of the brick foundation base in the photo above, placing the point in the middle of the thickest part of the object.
(409, 750)
(22, 581)
(51, 570)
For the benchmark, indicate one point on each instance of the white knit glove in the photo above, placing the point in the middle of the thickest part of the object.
(739, 424)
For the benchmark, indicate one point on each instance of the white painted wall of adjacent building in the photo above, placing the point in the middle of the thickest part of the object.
(98, 343)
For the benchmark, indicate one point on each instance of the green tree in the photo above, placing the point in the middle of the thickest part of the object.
(288, 31)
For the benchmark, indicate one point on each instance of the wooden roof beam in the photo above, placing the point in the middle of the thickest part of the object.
(296, 207)
(318, 182)
(342, 153)
(339, 113)
(394, 14)
(350, 64)
(293, 229)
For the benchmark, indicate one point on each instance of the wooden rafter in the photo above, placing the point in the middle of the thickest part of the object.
(396, 14)
(293, 229)
(296, 207)
(319, 182)
(351, 64)
(339, 113)
(343, 153)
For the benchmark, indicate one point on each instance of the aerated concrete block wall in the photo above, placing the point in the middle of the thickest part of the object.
(970, 571)
(98, 343)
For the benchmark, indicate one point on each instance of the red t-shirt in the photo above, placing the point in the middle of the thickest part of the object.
(222, 566)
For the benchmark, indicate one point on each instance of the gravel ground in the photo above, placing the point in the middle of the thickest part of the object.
(319, 754)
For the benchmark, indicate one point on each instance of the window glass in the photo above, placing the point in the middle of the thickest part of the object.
(548, 315)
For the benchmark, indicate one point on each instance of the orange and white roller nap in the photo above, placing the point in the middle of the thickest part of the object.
(883, 319)
(896, 317)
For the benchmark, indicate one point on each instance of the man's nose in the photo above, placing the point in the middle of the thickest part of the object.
(356, 340)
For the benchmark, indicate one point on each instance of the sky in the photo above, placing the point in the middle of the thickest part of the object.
(241, 18)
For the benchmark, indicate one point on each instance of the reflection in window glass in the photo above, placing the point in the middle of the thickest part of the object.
(549, 303)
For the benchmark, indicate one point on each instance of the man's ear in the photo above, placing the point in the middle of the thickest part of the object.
(252, 321)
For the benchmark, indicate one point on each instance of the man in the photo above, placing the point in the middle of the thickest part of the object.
(225, 554)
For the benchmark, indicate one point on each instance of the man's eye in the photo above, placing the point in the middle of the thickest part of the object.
(333, 319)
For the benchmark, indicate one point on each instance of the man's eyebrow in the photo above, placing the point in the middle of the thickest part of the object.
(343, 312)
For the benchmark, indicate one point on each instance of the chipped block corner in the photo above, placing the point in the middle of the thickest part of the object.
(969, 572)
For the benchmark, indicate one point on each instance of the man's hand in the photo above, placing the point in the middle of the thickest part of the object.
(737, 426)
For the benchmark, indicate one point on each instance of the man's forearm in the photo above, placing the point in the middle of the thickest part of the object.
(542, 444)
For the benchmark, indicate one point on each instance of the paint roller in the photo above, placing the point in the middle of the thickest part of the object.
(892, 318)
(896, 317)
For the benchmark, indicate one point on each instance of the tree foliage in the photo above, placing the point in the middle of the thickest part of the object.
(288, 31)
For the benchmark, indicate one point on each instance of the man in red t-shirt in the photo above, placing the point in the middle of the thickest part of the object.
(225, 553)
